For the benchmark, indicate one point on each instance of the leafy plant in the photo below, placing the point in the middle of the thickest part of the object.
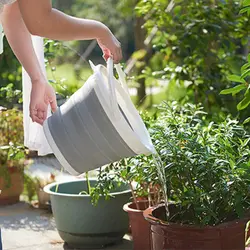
(12, 151)
(206, 165)
(10, 78)
(242, 80)
(11, 136)
(196, 45)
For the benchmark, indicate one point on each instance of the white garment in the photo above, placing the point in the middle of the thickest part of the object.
(34, 137)
(1, 38)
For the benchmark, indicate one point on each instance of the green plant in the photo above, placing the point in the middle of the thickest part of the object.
(206, 165)
(11, 136)
(12, 150)
(10, 78)
(241, 80)
(29, 187)
(32, 185)
(196, 44)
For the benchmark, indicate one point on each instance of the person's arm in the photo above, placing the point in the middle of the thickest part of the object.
(42, 20)
(20, 41)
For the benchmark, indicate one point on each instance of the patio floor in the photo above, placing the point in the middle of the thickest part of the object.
(27, 228)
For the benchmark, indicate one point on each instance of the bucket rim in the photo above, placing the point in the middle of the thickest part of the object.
(47, 189)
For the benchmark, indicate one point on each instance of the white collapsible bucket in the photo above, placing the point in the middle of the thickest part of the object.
(98, 125)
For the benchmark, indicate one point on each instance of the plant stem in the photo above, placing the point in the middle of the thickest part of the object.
(88, 183)
(134, 196)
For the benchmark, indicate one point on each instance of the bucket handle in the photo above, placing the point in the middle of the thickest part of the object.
(122, 78)
(113, 99)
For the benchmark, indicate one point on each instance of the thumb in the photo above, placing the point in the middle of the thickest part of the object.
(53, 105)
(106, 53)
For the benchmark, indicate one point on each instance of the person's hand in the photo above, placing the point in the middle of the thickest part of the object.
(42, 95)
(110, 46)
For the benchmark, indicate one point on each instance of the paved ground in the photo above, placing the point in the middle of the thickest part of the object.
(27, 228)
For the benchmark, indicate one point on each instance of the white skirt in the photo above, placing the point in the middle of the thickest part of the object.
(34, 137)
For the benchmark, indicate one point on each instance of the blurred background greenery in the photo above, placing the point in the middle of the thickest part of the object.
(173, 50)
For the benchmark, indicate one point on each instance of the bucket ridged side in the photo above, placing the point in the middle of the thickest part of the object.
(84, 134)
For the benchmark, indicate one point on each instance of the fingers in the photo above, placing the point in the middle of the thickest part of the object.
(53, 105)
(39, 114)
(116, 53)
(34, 116)
(106, 54)
(37, 120)
(52, 99)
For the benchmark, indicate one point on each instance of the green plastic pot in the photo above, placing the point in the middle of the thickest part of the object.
(82, 225)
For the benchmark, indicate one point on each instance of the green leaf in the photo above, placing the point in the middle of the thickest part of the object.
(245, 9)
(247, 93)
(235, 78)
(140, 54)
(248, 58)
(238, 205)
(246, 3)
(245, 73)
(245, 66)
(247, 120)
(233, 90)
(244, 103)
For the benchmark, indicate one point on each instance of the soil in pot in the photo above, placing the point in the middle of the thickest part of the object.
(139, 226)
(10, 194)
(171, 236)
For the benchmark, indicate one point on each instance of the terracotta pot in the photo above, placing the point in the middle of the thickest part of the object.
(171, 236)
(10, 195)
(43, 199)
(139, 226)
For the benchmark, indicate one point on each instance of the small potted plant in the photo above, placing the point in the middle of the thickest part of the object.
(207, 171)
(88, 211)
(12, 156)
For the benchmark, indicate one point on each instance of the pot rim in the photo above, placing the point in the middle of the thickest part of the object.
(148, 215)
(128, 209)
(47, 189)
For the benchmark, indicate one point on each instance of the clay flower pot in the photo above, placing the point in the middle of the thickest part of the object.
(10, 195)
(165, 236)
(139, 226)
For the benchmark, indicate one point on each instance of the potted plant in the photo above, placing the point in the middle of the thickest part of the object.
(12, 155)
(33, 188)
(43, 197)
(207, 172)
(88, 212)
